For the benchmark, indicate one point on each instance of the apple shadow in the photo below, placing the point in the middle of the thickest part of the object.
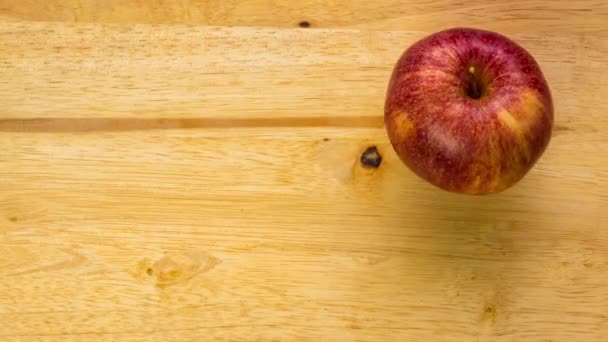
(470, 250)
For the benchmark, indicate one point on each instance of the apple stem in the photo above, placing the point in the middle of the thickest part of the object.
(474, 86)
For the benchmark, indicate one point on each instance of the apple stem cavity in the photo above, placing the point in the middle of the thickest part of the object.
(475, 88)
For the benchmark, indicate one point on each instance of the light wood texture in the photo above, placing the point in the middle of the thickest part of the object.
(189, 171)
(533, 16)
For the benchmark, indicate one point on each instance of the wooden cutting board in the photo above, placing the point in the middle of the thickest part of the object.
(190, 170)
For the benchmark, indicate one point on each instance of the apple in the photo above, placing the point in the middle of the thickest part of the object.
(468, 110)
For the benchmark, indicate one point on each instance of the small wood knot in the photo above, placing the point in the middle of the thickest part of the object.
(175, 268)
(304, 24)
(489, 314)
(371, 158)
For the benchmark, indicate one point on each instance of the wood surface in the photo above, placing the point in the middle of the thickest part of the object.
(187, 170)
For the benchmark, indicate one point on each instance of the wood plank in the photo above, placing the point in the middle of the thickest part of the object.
(149, 72)
(513, 16)
(185, 234)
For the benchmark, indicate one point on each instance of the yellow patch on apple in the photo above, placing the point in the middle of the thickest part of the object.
(402, 124)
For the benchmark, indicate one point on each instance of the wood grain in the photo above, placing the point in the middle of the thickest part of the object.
(565, 17)
(189, 170)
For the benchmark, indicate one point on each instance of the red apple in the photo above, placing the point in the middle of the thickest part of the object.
(468, 110)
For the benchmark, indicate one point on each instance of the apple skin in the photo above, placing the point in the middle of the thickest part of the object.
(468, 110)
